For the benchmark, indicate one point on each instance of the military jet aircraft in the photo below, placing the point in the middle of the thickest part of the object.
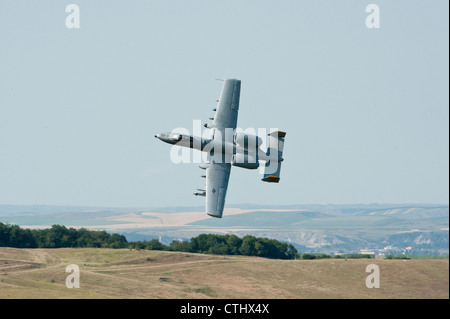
(228, 147)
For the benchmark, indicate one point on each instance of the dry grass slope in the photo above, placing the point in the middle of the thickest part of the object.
(121, 273)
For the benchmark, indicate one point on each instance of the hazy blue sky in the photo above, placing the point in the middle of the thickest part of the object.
(366, 111)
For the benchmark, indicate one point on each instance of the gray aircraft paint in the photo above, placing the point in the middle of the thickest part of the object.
(228, 148)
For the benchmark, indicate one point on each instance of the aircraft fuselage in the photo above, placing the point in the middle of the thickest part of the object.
(222, 146)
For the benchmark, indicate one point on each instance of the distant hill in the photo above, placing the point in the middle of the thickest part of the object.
(265, 219)
(330, 228)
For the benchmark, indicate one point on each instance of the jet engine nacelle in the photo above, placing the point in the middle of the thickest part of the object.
(248, 161)
(247, 141)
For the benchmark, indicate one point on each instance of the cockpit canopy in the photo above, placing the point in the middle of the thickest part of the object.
(174, 138)
(171, 136)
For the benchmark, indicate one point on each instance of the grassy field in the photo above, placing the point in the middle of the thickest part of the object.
(121, 273)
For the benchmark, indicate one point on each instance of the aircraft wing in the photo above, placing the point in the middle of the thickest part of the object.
(217, 176)
(228, 106)
(218, 170)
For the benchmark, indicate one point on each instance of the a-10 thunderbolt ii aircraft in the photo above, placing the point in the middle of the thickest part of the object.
(228, 147)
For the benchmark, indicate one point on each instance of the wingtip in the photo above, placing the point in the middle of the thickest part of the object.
(215, 216)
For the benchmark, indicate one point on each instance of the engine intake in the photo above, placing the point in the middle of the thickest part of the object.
(248, 141)
(245, 161)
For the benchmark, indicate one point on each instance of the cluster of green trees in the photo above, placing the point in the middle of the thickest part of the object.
(224, 245)
(60, 236)
(397, 257)
(325, 256)
(57, 237)
(234, 245)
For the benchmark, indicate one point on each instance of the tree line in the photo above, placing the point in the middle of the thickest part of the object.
(234, 245)
(60, 236)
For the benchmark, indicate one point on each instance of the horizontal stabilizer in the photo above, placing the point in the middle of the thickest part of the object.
(271, 179)
(273, 167)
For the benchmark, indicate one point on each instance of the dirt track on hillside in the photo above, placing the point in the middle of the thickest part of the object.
(123, 273)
